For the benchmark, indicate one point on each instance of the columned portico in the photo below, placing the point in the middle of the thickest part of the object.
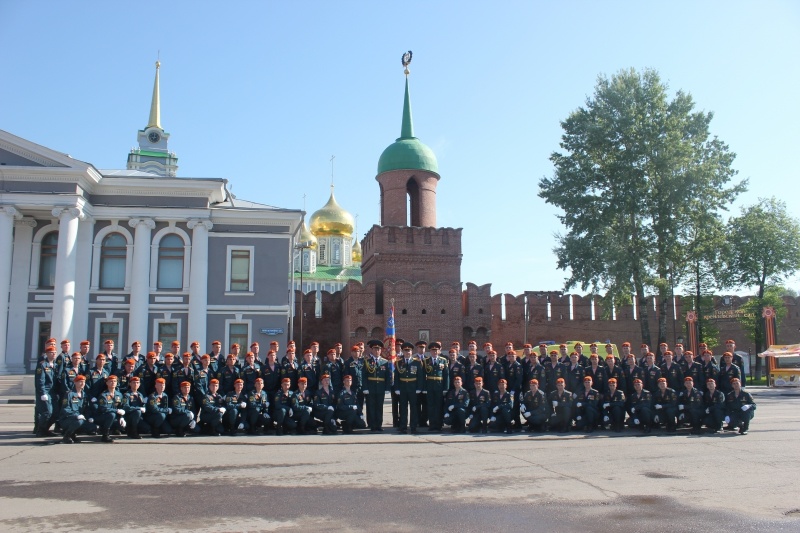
(198, 280)
(7, 216)
(66, 262)
(140, 279)
(15, 359)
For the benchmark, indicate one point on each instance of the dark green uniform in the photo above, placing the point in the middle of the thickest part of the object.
(324, 407)
(665, 408)
(740, 409)
(437, 382)
(534, 409)
(640, 409)
(182, 417)
(614, 409)
(481, 411)
(135, 404)
(377, 378)
(457, 407)
(691, 408)
(409, 380)
(587, 409)
(282, 411)
(211, 413)
(157, 414)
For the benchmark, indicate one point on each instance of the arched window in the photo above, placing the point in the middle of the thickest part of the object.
(170, 262)
(47, 261)
(113, 253)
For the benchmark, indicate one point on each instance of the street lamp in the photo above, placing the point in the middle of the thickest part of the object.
(302, 246)
(674, 311)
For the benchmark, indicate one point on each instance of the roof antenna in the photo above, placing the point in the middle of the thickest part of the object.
(332, 158)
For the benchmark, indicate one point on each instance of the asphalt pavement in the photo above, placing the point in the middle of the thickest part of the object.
(391, 482)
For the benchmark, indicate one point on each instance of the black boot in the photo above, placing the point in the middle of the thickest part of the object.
(106, 438)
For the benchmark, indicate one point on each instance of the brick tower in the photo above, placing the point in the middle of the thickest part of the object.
(407, 258)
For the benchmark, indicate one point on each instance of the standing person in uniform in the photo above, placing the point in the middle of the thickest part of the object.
(45, 394)
(738, 360)
(409, 380)
(513, 372)
(147, 374)
(437, 382)
(492, 371)
(710, 368)
(376, 377)
(727, 371)
(555, 371)
(422, 397)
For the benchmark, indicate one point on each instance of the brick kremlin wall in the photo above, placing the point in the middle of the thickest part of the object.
(350, 315)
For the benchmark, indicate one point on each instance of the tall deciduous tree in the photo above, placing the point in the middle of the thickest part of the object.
(634, 165)
(765, 249)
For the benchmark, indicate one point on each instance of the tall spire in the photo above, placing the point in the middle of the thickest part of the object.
(407, 129)
(155, 105)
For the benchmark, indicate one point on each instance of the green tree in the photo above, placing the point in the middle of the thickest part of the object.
(633, 169)
(765, 250)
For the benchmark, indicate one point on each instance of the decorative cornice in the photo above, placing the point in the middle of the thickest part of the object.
(63, 213)
(31, 156)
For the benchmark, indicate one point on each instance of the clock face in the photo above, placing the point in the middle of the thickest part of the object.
(154, 137)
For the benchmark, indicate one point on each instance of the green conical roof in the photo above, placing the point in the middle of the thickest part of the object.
(407, 152)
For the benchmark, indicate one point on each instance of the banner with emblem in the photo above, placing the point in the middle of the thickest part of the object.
(390, 336)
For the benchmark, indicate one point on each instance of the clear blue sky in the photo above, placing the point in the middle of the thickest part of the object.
(263, 93)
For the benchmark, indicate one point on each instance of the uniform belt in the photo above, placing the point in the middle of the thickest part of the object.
(408, 379)
(434, 378)
(376, 379)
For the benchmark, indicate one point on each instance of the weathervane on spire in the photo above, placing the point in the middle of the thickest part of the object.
(406, 59)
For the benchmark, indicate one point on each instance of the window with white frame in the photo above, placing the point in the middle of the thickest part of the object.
(47, 261)
(240, 269)
(113, 254)
(109, 331)
(170, 262)
(239, 333)
(167, 332)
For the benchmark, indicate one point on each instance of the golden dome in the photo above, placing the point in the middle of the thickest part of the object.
(355, 254)
(307, 236)
(332, 220)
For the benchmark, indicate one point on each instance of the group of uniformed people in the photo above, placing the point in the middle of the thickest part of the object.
(184, 393)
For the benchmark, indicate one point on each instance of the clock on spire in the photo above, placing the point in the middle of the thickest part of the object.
(153, 155)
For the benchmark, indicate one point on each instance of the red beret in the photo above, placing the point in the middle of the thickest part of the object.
(662, 380)
(213, 380)
(253, 344)
(238, 381)
(259, 380)
(613, 380)
(730, 341)
(689, 378)
(85, 343)
(79, 377)
(151, 355)
(637, 380)
(112, 377)
(157, 343)
(186, 384)
(587, 378)
(303, 380)
(130, 361)
(134, 379)
(176, 343)
(286, 380)
(478, 379)
(216, 343)
(161, 380)
(205, 356)
(560, 380)
(534, 380)
(503, 381)
(195, 343)
(626, 344)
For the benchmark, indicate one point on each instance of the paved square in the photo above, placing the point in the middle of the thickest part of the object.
(390, 482)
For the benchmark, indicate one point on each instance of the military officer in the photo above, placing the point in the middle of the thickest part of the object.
(422, 397)
(325, 405)
(409, 380)
(377, 378)
(213, 409)
(158, 410)
(534, 407)
(640, 407)
(72, 416)
(303, 407)
(437, 382)
(740, 408)
(714, 404)
(502, 406)
(727, 371)
(481, 408)
(282, 404)
(738, 360)
(46, 393)
(108, 409)
(665, 405)
(457, 406)
(561, 412)
(148, 373)
(134, 404)
(347, 406)
(690, 406)
(587, 406)
(614, 406)
(234, 418)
